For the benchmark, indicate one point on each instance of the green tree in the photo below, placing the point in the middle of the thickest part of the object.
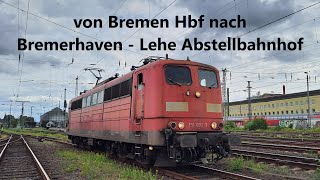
(256, 124)
(10, 121)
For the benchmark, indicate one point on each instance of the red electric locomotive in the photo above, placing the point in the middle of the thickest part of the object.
(163, 112)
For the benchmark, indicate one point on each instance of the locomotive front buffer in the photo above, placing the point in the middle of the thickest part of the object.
(184, 147)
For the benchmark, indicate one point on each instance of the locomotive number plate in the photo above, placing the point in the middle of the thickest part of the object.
(198, 125)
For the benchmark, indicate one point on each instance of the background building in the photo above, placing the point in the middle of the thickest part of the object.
(277, 104)
(279, 109)
(55, 118)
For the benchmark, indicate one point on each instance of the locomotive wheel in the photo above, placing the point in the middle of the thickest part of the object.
(76, 141)
(146, 161)
(80, 144)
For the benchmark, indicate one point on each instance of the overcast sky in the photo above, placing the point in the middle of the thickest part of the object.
(41, 76)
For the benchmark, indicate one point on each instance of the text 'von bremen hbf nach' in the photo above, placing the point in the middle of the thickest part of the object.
(156, 45)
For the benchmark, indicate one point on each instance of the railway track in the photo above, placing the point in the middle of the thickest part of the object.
(296, 161)
(201, 172)
(282, 147)
(301, 145)
(3, 145)
(278, 134)
(286, 141)
(17, 161)
(194, 172)
(198, 171)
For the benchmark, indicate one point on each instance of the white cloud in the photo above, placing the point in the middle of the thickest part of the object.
(43, 84)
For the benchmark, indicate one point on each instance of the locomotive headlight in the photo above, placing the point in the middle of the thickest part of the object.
(198, 94)
(213, 125)
(181, 125)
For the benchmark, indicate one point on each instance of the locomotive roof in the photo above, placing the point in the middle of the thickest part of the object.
(104, 84)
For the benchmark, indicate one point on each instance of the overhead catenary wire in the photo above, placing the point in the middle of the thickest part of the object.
(279, 19)
(250, 63)
(184, 30)
(277, 70)
(21, 58)
(290, 74)
(139, 29)
(287, 66)
(269, 23)
(227, 4)
(121, 5)
(272, 55)
(52, 22)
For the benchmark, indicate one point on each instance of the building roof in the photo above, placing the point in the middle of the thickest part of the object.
(278, 97)
(55, 111)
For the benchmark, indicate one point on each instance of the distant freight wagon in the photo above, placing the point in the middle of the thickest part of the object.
(297, 120)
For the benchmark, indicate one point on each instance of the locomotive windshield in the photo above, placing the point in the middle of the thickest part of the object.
(178, 75)
(207, 78)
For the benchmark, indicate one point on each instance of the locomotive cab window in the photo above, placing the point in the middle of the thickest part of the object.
(88, 101)
(100, 97)
(76, 104)
(125, 88)
(84, 102)
(178, 75)
(107, 94)
(140, 79)
(94, 99)
(207, 78)
(115, 91)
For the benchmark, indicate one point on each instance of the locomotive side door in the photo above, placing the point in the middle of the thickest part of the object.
(138, 109)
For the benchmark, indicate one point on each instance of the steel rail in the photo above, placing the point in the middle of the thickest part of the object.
(41, 169)
(304, 163)
(5, 147)
(281, 147)
(226, 174)
(56, 140)
(174, 175)
(44, 138)
(280, 142)
(194, 171)
(279, 156)
(275, 140)
(277, 134)
(301, 139)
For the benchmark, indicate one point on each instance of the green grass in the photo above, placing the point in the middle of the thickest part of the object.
(3, 136)
(37, 132)
(239, 164)
(98, 166)
(286, 129)
(316, 174)
(258, 167)
(236, 164)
